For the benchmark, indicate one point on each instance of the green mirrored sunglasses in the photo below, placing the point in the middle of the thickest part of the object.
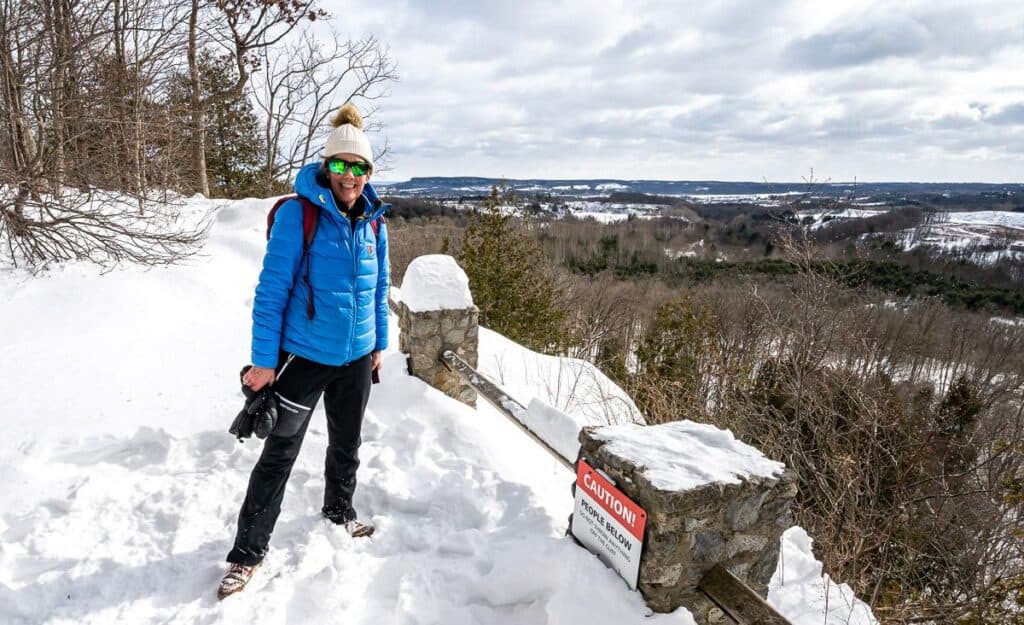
(339, 166)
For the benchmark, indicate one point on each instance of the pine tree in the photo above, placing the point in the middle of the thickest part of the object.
(509, 275)
(232, 130)
(680, 360)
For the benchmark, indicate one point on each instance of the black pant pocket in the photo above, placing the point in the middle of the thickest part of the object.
(290, 417)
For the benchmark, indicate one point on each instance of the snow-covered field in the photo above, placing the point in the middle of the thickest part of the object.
(759, 199)
(609, 213)
(818, 218)
(121, 485)
(984, 237)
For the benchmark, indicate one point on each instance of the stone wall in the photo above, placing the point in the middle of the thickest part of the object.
(690, 531)
(426, 335)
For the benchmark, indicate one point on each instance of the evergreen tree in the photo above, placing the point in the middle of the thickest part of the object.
(680, 361)
(957, 421)
(232, 130)
(510, 276)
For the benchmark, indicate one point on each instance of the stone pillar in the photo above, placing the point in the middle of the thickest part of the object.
(699, 513)
(436, 313)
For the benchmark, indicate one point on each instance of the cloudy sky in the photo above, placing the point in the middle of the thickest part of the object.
(724, 90)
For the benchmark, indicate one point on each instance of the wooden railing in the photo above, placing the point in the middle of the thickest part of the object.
(737, 600)
(498, 398)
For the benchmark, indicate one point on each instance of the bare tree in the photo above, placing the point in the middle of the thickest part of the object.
(147, 37)
(21, 45)
(77, 118)
(109, 94)
(303, 83)
(242, 28)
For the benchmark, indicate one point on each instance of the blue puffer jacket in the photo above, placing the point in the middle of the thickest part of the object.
(349, 272)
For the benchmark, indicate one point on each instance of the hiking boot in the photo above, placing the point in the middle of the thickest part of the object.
(345, 516)
(235, 579)
(358, 529)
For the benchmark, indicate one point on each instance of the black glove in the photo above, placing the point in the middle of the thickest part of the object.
(259, 416)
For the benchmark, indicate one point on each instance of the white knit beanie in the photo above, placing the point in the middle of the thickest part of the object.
(348, 136)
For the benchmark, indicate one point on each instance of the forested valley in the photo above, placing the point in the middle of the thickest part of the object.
(890, 381)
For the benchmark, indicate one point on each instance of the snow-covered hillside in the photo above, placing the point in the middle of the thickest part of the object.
(121, 485)
(984, 237)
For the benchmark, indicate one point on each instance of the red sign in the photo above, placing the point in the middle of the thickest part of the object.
(614, 502)
(608, 523)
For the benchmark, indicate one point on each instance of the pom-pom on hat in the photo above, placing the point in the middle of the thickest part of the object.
(348, 136)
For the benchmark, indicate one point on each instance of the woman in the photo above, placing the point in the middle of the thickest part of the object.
(320, 322)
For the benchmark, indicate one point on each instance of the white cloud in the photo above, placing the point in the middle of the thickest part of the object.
(737, 89)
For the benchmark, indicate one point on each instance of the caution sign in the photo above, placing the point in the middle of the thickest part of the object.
(608, 523)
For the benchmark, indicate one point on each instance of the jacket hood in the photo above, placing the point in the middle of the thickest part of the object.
(312, 184)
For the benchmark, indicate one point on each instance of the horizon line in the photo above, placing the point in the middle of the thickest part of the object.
(700, 181)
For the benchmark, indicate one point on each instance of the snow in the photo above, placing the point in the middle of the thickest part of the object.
(1006, 219)
(600, 217)
(121, 485)
(435, 282)
(555, 427)
(819, 217)
(570, 385)
(690, 253)
(684, 455)
(983, 237)
(811, 597)
(1013, 323)
(762, 199)
(614, 212)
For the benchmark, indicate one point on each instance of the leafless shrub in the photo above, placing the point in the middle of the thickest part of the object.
(91, 225)
(411, 239)
(905, 432)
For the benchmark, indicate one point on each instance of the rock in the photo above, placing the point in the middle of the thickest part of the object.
(742, 514)
(740, 543)
(708, 547)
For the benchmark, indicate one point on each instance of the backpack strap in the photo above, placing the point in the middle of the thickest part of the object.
(310, 217)
(375, 224)
(310, 220)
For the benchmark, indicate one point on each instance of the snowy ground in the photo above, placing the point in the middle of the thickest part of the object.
(609, 213)
(759, 199)
(819, 218)
(121, 484)
(984, 237)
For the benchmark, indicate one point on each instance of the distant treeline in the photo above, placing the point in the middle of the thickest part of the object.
(734, 239)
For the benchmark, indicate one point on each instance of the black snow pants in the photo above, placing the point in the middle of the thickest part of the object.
(298, 386)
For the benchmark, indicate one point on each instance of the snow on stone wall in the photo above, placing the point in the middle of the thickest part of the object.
(435, 282)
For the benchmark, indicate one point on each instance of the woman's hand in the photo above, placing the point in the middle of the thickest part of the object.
(376, 358)
(258, 377)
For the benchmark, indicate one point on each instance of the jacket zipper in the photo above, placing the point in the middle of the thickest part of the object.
(355, 270)
(355, 287)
